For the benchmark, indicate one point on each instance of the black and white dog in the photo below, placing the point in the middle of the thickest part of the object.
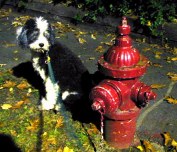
(37, 35)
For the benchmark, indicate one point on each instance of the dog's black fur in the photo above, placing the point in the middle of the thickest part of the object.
(70, 73)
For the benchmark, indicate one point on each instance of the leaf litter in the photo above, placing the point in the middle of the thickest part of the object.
(29, 115)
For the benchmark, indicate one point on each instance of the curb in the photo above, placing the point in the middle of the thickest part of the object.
(67, 13)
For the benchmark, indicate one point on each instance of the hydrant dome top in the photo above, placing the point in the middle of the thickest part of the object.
(122, 60)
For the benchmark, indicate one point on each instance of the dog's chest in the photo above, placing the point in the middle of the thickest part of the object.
(40, 66)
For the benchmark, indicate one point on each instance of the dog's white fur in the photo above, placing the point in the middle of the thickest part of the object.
(36, 35)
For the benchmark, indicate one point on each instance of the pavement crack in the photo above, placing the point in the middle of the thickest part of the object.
(145, 113)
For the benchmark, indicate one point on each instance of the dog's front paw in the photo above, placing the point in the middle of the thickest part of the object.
(46, 105)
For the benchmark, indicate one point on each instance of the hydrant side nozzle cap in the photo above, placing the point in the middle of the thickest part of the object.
(151, 95)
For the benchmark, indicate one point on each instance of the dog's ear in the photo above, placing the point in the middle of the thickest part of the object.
(52, 35)
(21, 37)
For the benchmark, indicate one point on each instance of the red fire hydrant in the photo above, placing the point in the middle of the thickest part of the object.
(121, 96)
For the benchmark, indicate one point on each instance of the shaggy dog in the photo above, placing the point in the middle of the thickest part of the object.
(37, 35)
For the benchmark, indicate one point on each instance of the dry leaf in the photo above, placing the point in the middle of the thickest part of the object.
(18, 105)
(29, 92)
(5, 44)
(156, 65)
(33, 125)
(157, 86)
(93, 36)
(146, 49)
(6, 106)
(11, 90)
(93, 130)
(9, 84)
(67, 149)
(92, 58)
(171, 100)
(52, 141)
(100, 49)
(59, 122)
(1, 65)
(172, 76)
(169, 142)
(81, 40)
(148, 146)
(169, 59)
(158, 55)
(140, 148)
(5, 12)
(60, 150)
(108, 43)
(167, 138)
(174, 143)
(20, 21)
(23, 85)
(175, 51)
(13, 133)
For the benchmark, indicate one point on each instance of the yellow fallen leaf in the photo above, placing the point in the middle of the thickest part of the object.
(1, 65)
(100, 49)
(174, 143)
(29, 92)
(9, 44)
(107, 43)
(170, 59)
(5, 12)
(9, 84)
(52, 141)
(13, 133)
(23, 85)
(174, 58)
(60, 150)
(172, 76)
(169, 142)
(81, 40)
(146, 49)
(171, 100)
(140, 148)
(157, 86)
(18, 105)
(6, 106)
(156, 65)
(175, 51)
(167, 139)
(33, 125)
(92, 58)
(93, 36)
(20, 21)
(67, 149)
(148, 146)
(59, 122)
(11, 90)
(158, 55)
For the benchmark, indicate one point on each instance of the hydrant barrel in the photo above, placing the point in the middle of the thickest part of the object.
(120, 134)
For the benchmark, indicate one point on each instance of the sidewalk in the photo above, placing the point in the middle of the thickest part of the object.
(89, 42)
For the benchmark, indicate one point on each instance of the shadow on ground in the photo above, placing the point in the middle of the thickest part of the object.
(80, 111)
(7, 144)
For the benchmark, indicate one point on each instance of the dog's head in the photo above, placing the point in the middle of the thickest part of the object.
(37, 35)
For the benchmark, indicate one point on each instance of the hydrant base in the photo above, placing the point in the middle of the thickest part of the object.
(120, 134)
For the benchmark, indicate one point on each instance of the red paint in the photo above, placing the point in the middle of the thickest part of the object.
(121, 98)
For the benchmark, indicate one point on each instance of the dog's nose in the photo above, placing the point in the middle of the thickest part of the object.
(41, 44)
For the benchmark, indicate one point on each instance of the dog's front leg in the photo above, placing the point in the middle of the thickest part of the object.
(52, 92)
(49, 100)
